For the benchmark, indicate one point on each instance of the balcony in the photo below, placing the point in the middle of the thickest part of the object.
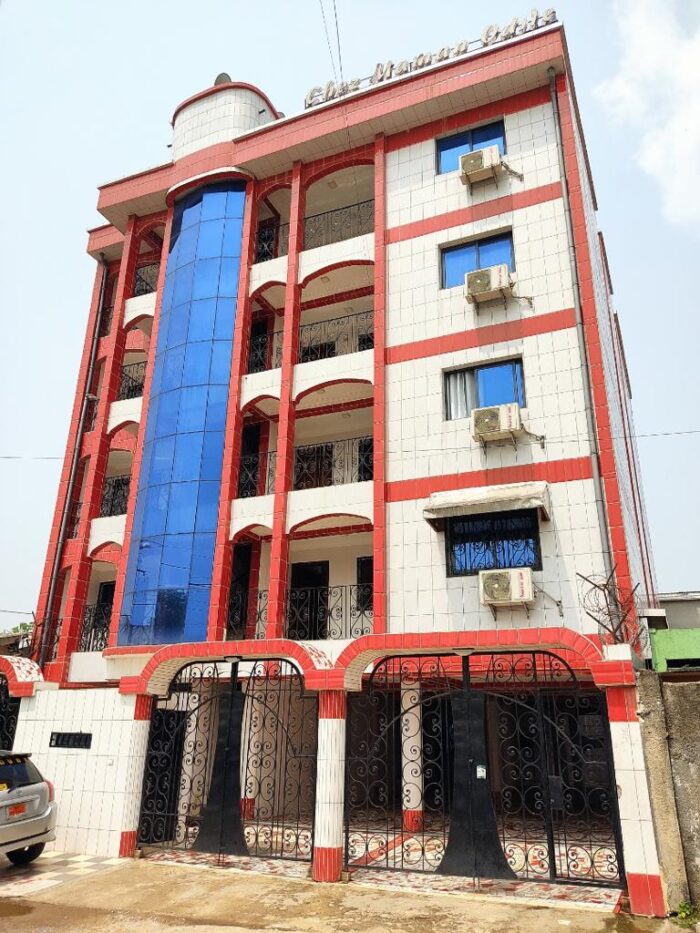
(343, 223)
(115, 495)
(131, 381)
(321, 340)
(257, 475)
(333, 463)
(146, 279)
(271, 241)
(313, 613)
(94, 633)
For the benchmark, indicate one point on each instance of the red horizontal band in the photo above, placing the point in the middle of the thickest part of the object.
(555, 471)
(467, 215)
(480, 336)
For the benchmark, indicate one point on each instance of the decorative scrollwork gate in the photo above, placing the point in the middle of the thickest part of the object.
(9, 711)
(230, 764)
(492, 765)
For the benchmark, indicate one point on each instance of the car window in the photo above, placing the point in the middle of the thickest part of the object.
(17, 772)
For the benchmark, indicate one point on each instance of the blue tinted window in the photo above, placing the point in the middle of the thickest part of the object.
(169, 571)
(500, 384)
(493, 540)
(451, 148)
(457, 261)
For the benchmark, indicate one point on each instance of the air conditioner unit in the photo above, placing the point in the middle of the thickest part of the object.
(506, 587)
(487, 284)
(497, 422)
(480, 165)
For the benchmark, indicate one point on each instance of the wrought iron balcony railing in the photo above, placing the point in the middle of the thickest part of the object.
(343, 223)
(131, 381)
(90, 414)
(246, 615)
(106, 321)
(257, 475)
(319, 612)
(336, 337)
(265, 352)
(115, 495)
(334, 463)
(73, 519)
(271, 241)
(321, 340)
(94, 634)
(146, 279)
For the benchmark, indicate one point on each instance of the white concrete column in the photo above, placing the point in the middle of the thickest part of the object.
(330, 786)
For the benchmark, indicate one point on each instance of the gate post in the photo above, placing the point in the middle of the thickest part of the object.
(330, 786)
(637, 830)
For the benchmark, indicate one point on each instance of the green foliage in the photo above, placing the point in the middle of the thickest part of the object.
(686, 914)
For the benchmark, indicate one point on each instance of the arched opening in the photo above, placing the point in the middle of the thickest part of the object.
(97, 615)
(339, 205)
(272, 234)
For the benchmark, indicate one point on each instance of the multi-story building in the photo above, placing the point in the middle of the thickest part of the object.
(351, 439)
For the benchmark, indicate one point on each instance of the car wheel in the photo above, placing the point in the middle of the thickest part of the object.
(26, 855)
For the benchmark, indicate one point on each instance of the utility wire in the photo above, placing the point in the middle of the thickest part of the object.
(328, 38)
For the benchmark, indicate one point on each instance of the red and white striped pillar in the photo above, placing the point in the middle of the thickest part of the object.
(330, 786)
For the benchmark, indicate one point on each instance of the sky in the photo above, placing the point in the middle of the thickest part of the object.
(87, 91)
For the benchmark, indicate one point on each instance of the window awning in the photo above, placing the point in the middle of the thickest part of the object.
(475, 501)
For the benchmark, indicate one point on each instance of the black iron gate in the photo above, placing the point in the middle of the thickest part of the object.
(230, 763)
(491, 766)
(9, 711)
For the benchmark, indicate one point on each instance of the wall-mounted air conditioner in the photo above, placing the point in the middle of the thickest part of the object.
(487, 284)
(480, 165)
(496, 422)
(506, 587)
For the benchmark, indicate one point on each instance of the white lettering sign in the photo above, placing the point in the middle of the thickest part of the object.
(388, 70)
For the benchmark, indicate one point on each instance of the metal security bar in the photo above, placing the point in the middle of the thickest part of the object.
(271, 241)
(336, 337)
(334, 463)
(146, 279)
(257, 475)
(265, 352)
(343, 223)
(94, 634)
(131, 381)
(106, 321)
(318, 612)
(90, 414)
(73, 519)
(246, 615)
(115, 495)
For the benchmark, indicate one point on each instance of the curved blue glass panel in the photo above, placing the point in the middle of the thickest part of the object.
(171, 556)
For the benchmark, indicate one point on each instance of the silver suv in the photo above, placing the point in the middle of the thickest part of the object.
(27, 809)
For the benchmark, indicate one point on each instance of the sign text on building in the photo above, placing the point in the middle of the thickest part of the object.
(387, 70)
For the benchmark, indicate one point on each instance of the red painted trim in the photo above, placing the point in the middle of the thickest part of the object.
(412, 821)
(327, 864)
(127, 844)
(459, 121)
(608, 468)
(621, 700)
(379, 490)
(468, 215)
(233, 431)
(481, 336)
(100, 239)
(332, 704)
(140, 437)
(646, 895)
(229, 86)
(143, 708)
(201, 180)
(553, 471)
(284, 464)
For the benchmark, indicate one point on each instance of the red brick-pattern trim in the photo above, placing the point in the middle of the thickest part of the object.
(468, 215)
(481, 336)
(223, 547)
(279, 552)
(327, 864)
(143, 707)
(608, 468)
(646, 895)
(332, 704)
(140, 437)
(127, 844)
(621, 700)
(552, 471)
(379, 417)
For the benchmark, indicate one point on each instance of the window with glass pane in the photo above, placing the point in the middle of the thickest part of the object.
(457, 261)
(450, 148)
(493, 541)
(481, 386)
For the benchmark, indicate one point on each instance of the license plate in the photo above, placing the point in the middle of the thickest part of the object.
(17, 809)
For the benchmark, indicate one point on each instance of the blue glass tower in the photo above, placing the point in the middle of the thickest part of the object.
(171, 556)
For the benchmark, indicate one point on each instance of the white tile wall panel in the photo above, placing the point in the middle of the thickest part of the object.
(351, 366)
(422, 598)
(260, 385)
(107, 530)
(415, 191)
(356, 248)
(354, 499)
(124, 411)
(256, 510)
(272, 270)
(97, 789)
(139, 306)
(218, 118)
